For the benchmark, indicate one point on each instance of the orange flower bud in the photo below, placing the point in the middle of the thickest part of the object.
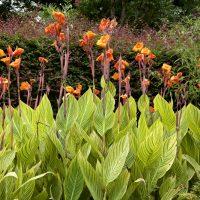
(43, 60)
(25, 86)
(18, 52)
(2, 53)
(69, 89)
(179, 74)
(152, 56)
(115, 76)
(16, 63)
(3, 84)
(6, 60)
(109, 55)
(174, 79)
(151, 109)
(9, 50)
(138, 46)
(100, 58)
(61, 36)
(96, 92)
(198, 85)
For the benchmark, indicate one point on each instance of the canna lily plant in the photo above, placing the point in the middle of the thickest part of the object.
(91, 149)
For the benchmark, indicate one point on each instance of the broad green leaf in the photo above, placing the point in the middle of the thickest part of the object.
(104, 117)
(117, 189)
(6, 159)
(193, 163)
(44, 112)
(166, 112)
(65, 123)
(73, 184)
(93, 182)
(193, 117)
(110, 86)
(171, 194)
(168, 184)
(42, 195)
(143, 103)
(115, 160)
(86, 109)
(27, 151)
(151, 148)
(56, 187)
(166, 160)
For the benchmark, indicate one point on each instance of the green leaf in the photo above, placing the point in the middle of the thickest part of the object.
(168, 184)
(166, 112)
(6, 159)
(62, 123)
(86, 109)
(73, 184)
(193, 117)
(166, 160)
(151, 148)
(117, 189)
(42, 195)
(143, 103)
(104, 117)
(193, 163)
(27, 151)
(115, 160)
(93, 182)
(56, 187)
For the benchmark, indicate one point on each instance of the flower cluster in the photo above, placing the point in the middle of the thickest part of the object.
(56, 27)
(73, 91)
(107, 25)
(9, 56)
(25, 86)
(169, 80)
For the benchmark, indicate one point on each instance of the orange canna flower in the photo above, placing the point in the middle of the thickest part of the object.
(43, 60)
(69, 89)
(96, 92)
(139, 57)
(179, 74)
(100, 58)
(115, 76)
(18, 52)
(59, 17)
(124, 64)
(16, 63)
(78, 90)
(61, 36)
(103, 41)
(6, 60)
(174, 79)
(152, 56)
(57, 28)
(49, 29)
(90, 35)
(145, 51)
(138, 46)
(109, 56)
(166, 68)
(25, 86)
(104, 24)
(9, 50)
(2, 53)
(3, 84)
(151, 109)
(169, 83)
